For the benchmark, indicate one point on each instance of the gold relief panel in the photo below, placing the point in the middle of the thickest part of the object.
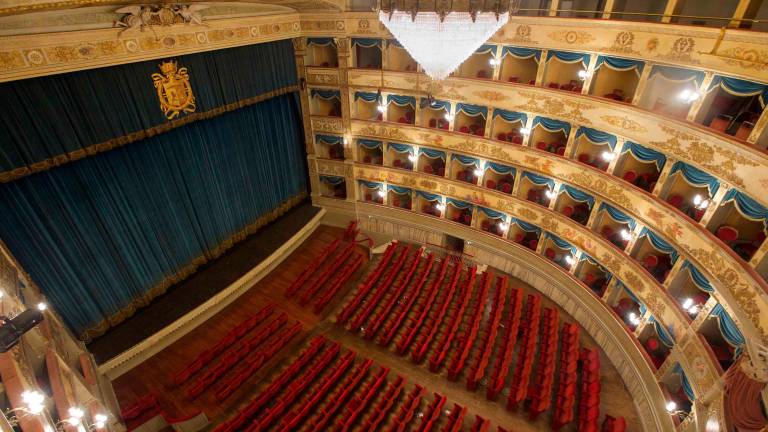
(326, 167)
(744, 58)
(327, 124)
(623, 43)
(330, 77)
(571, 37)
(11, 60)
(624, 123)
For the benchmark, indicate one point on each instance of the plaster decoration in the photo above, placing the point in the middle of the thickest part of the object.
(139, 17)
(745, 58)
(11, 60)
(681, 51)
(571, 37)
(522, 34)
(327, 124)
(623, 44)
(624, 123)
(557, 106)
(322, 25)
(9, 276)
(385, 132)
(35, 57)
(490, 96)
(322, 77)
(328, 167)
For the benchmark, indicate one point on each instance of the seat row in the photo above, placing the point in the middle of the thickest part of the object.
(203, 359)
(504, 357)
(565, 395)
(471, 329)
(589, 398)
(478, 369)
(325, 388)
(540, 393)
(529, 339)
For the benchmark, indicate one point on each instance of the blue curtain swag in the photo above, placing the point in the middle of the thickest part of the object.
(521, 53)
(644, 154)
(620, 64)
(746, 206)
(596, 137)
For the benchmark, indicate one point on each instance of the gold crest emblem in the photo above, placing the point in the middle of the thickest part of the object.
(174, 90)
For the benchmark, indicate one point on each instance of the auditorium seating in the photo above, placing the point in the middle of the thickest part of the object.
(529, 339)
(540, 393)
(565, 395)
(589, 397)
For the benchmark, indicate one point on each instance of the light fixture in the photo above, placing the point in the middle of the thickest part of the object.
(381, 107)
(671, 406)
(478, 172)
(583, 75)
(493, 62)
(1, 294)
(550, 194)
(504, 226)
(570, 260)
(687, 303)
(525, 131)
(412, 158)
(100, 421)
(700, 202)
(34, 401)
(346, 141)
(440, 206)
(607, 156)
(381, 193)
(441, 40)
(42, 307)
(449, 117)
(626, 235)
(688, 95)
(634, 319)
(693, 310)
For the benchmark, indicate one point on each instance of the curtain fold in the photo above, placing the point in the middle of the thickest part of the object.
(698, 278)
(738, 87)
(104, 235)
(539, 180)
(660, 244)
(501, 169)
(551, 125)
(746, 206)
(466, 160)
(620, 64)
(511, 116)
(366, 42)
(664, 336)
(472, 110)
(492, 214)
(368, 143)
(577, 195)
(41, 119)
(367, 96)
(320, 41)
(329, 139)
(332, 180)
(400, 148)
(728, 328)
(618, 216)
(432, 154)
(429, 196)
(437, 104)
(632, 296)
(684, 383)
(525, 226)
(461, 205)
(487, 48)
(371, 185)
(402, 100)
(597, 137)
(696, 177)
(521, 53)
(399, 190)
(562, 244)
(325, 94)
(679, 75)
(569, 57)
(645, 154)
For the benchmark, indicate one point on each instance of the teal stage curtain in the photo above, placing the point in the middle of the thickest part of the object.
(53, 119)
(103, 235)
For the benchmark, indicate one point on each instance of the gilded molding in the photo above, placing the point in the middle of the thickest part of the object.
(737, 286)
(327, 124)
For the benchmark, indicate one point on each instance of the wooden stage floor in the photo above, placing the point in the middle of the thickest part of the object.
(153, 376)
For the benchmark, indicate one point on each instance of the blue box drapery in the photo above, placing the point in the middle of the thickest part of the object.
(511, 116)
(645, 154)
(487, 48)
(369, 144)
(698, 278)
(326, 94)
(578, 195)
(562, 244)
(597, 137)
(618, 216)
(521, 53)
(539, 180)
(664, 335)
(366, 42)
(400, 148)
(367, 96)
(472, 110)
(329, 139)
(402, 100)
(429, 196)
(320, 41)
(371, 185)
(501, 169)
(461, 205)
(660, 244)
(103, 235)
(632, 296)
(738, 87)
(399, 190)
(332, 180)
(551, 125)
(525, 226)
(432, 154)
(678, 75)
(569, 57)
(437, 104)
(746, 206)
(620, 64)
(728, 327)
(466, 160)
(492, 214)
(60, 116)
(684, 383)
(696, 177)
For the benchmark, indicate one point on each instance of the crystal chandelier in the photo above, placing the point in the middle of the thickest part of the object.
(442, 39)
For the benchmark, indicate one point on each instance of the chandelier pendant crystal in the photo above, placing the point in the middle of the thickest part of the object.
(441, 43)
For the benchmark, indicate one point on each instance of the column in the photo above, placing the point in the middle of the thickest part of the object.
(669, 10)
(642, 83)
(542, 66)
(300, 50)
(663, 175)
(698, 103)
(590, 74)
(570, 145)
(608, 9)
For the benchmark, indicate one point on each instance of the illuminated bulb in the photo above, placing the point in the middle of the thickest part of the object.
(42, 306)
(504, 226)
(381, 108)
(34, 401)
(570, 260)
(381, 193)
(1, 294)
(525, 131)
(687, 303)
(607, 156)
(704, 204)
(441, 206)
(346, 141)
(625, 234)
(551, 194)
(693, 310)
(712, 425)
(493, 62)
(671, 406)
(478, 172)
(582, 74)
(634, 319)
(412, 158)
(100, 421)
(449, 117)
(697, 199)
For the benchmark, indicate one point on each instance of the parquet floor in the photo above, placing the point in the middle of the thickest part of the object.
(153, 376)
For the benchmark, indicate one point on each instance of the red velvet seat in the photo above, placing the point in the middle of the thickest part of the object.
(533, 195)
(567, 211)
(541, 145)
(441, 171)
(650, 261)
(584, 158)
(432, 122)
(467, 218)
(506, 188)
(402, 120)
(676, 201)
(513, 79)
(428, 169)
(461, 175)
(485, 225)
(490, 184)
(396, 202)
(367, 159)
(397, 163)
(630, 176)
(519, 237)
(553, 85)
(464, 129)
(501, 136)
(517, 139)
(727, 234)
(721, 122)
(368, 197)
(550, 253)
(652, 344)
(560, 151)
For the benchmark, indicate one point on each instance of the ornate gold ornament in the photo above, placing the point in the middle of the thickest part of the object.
(745, 58)
(623, 43)
(571, 37)
(624, 123)
(174, 90)
(522, 34)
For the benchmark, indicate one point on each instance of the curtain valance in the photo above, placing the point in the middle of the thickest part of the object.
(698, 278)
(461, 205)
(521, 53)
(578, 195)
(525, 226)
(660, 244)
(366, 42)
(569, 57)
(684, 383)
(492, 214)
(511, 116)
(329, 139)
(466, 160)
(678, 75)
(746, 206)
(320, 42)
(394, 42)
(400, 148)
(332, 180)
(372, 185)
(429, 196)
(645, 154)
(437, 104)
(432, 154)
(633, 297)
(52, 120)
(562, 244)
(738, 87)
(728, 328)
(472, 110)
(368, 143)
(550, 125)
(487, 48)
(620, 64)
(501, 169)
(402, 100)
(696, 177)
(400, 190)
(325, 94)
(539, 180)
(618, 216)
(597, 137)
(367, 96)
